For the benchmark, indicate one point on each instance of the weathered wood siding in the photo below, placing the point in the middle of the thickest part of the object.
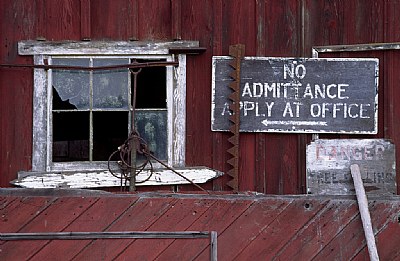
(269, 162)
(249, 227)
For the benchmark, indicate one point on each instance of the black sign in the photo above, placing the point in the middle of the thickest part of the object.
(329, 161)
(299, 95)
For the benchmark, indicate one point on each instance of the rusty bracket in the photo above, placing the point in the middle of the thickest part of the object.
(237, 53)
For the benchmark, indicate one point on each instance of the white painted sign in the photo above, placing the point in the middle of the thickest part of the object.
(298, 94)
(329, 161)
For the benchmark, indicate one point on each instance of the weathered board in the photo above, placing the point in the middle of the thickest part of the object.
(334, 95)
(328, 166)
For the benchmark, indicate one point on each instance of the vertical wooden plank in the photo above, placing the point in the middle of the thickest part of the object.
(260, 175)
(391, 68)
(154, 20)
(176, 19)
(219, 144)
(242, 29)
(283, 31)
(197, 24)
(62, 20)
(40, 21)
(85, 20)
(18, 22)
(133, 20)
(113, 23)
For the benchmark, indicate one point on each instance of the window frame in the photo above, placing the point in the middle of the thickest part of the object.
(176, 94)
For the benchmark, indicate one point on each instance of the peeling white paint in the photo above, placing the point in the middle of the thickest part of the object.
(104, 178)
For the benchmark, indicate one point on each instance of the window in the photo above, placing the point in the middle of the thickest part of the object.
(92, 110)
(80, 117)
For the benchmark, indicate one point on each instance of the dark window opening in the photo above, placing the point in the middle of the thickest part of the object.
(71, 136)
(151, 91)
(97, 103)
(110, 130)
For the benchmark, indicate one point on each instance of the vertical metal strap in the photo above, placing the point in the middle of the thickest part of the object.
(237, 53)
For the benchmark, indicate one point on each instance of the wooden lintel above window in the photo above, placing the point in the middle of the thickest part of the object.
(30, 47)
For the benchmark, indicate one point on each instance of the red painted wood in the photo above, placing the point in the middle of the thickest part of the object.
(241, 29)
(85, 20)
(271, 163)
(133, 20)
(19, 212)
(200, 146)
(139, 217)
(62, 20)
(387, 238)
(324, 226)
(248, 226)
(55, 217)
(177, 219)
(109, 20)
(351, 239)
(274, 236)
(154, 20)
(97, 218)
(18, 20)
(218, 218)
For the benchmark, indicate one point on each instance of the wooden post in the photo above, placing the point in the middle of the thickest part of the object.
(364, 212)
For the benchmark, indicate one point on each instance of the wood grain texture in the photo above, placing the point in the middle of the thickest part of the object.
(269, 163)
(248, 226)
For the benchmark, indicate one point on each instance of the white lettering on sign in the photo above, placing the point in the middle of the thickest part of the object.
(294, 70)
(299, 95)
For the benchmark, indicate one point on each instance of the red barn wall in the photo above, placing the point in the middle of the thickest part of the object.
(269, 162)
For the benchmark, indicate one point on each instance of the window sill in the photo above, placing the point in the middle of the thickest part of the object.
(103, 178)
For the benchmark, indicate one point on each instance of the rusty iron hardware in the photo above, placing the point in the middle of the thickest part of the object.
(212, 235)
(141, 148)
(136, 145)
(237, 53)
(98, 68)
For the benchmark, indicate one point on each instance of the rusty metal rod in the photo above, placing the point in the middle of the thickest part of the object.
(85, 68)
(103, 235)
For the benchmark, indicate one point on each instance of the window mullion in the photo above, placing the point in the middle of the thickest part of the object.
(91, 112)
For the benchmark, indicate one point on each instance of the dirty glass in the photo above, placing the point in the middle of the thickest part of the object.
(152, 127)
(110, 87)
(71, 87)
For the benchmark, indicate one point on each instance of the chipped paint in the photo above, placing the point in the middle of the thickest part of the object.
(103, 178)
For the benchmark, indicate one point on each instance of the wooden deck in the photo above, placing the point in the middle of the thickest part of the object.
(249, 227)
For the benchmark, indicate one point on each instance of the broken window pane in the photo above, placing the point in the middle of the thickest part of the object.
(70, 136)
(152, 90)
(110, 87)
(110, 130)
(71, 87)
